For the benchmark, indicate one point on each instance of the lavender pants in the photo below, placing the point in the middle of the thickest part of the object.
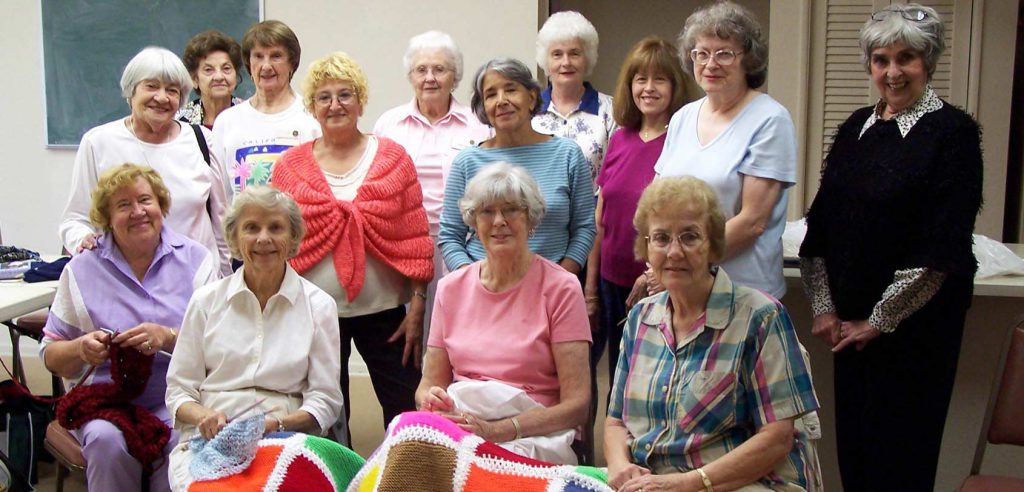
(110, 467)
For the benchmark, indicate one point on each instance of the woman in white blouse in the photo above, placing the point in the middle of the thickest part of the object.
(156, 85)
(262, 335)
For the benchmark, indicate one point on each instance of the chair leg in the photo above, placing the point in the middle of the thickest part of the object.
(18, 370)
(62, 473)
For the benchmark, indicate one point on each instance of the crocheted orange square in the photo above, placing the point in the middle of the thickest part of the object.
(253, 478)
(481, 480)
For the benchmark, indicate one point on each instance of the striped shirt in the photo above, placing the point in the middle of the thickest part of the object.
(739, 369)
(563, 176)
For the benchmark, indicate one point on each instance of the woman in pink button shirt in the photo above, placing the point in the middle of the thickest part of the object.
(433, 127)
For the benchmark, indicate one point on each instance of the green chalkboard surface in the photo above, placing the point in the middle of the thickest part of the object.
(87, 43)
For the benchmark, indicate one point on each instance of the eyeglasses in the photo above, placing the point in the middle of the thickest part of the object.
(722, 57)
(687, 240)
(509, 212)
(424, 70)
(912, 15)
(344, 97)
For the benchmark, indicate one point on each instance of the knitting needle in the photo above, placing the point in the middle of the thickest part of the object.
(113, 334)
(91, 367)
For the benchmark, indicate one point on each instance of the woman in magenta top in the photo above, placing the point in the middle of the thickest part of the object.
(649, 91)
(513, 318)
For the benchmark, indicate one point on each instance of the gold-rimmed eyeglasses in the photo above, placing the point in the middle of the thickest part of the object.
(325, 98)
(687, 240)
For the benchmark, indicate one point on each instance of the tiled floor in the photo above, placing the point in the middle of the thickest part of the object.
(366, 422)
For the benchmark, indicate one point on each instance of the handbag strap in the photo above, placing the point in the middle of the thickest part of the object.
(201, 140)
(27, 392)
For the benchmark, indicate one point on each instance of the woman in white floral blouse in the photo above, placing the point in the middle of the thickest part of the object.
(570, 107)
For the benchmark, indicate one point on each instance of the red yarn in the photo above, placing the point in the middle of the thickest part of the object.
(145, 435)
(386, 218)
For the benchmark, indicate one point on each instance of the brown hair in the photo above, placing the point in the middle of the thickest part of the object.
(657, 55)
(204, 43)
(271, 33)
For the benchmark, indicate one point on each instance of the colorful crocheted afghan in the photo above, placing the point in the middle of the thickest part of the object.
(291, 462)
(426, 452)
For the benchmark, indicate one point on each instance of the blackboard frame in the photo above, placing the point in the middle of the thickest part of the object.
(87, 43)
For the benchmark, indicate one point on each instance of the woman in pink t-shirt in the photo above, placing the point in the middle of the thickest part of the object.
(514, 319)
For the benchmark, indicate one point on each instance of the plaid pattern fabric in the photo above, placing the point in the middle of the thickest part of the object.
(689, 403)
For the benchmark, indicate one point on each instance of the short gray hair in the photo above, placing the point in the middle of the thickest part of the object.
(727, 20)
(266, 198)
(511, 69)
(156, 63)
(434, 40)
(502, 182)
(925, 36)
(563, 27)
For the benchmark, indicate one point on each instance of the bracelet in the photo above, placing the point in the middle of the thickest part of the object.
(280, 424)
(420, 293)
(519, 430)
(707, 481)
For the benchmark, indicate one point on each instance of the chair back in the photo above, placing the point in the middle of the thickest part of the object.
(1007, 426)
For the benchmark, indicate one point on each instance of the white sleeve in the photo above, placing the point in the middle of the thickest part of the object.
(188, 365)
(321, 396)
(219, 154)
(74, 223)
(218, 207)
(68, 318)
(206, 273)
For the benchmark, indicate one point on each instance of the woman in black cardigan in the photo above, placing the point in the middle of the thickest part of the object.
(887, 260)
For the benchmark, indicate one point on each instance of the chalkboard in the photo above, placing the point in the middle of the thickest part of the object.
(87, 43)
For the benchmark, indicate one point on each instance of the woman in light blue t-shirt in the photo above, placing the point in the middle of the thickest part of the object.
(737, 139)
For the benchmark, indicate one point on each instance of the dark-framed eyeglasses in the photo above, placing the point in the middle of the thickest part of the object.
(913, 15)
(724, 57)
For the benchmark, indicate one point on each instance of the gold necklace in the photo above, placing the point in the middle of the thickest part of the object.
(647, 133)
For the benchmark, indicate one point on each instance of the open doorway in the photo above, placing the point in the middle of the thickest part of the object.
(1013, 219)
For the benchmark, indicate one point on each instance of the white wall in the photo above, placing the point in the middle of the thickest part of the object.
(34, 180)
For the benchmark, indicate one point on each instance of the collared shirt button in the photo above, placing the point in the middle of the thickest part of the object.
(664, 389)
(647, 447)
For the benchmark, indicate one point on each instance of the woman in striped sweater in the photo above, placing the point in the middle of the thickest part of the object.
(506, 96)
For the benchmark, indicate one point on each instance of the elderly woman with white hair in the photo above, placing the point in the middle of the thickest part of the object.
(512, 324)
(737, 139)
(433, 127)
(155, 85)
(263, 338)
(570, 107)
(888, 260)
(506, 96)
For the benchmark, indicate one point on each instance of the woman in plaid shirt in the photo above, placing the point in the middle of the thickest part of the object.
(710, 378)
